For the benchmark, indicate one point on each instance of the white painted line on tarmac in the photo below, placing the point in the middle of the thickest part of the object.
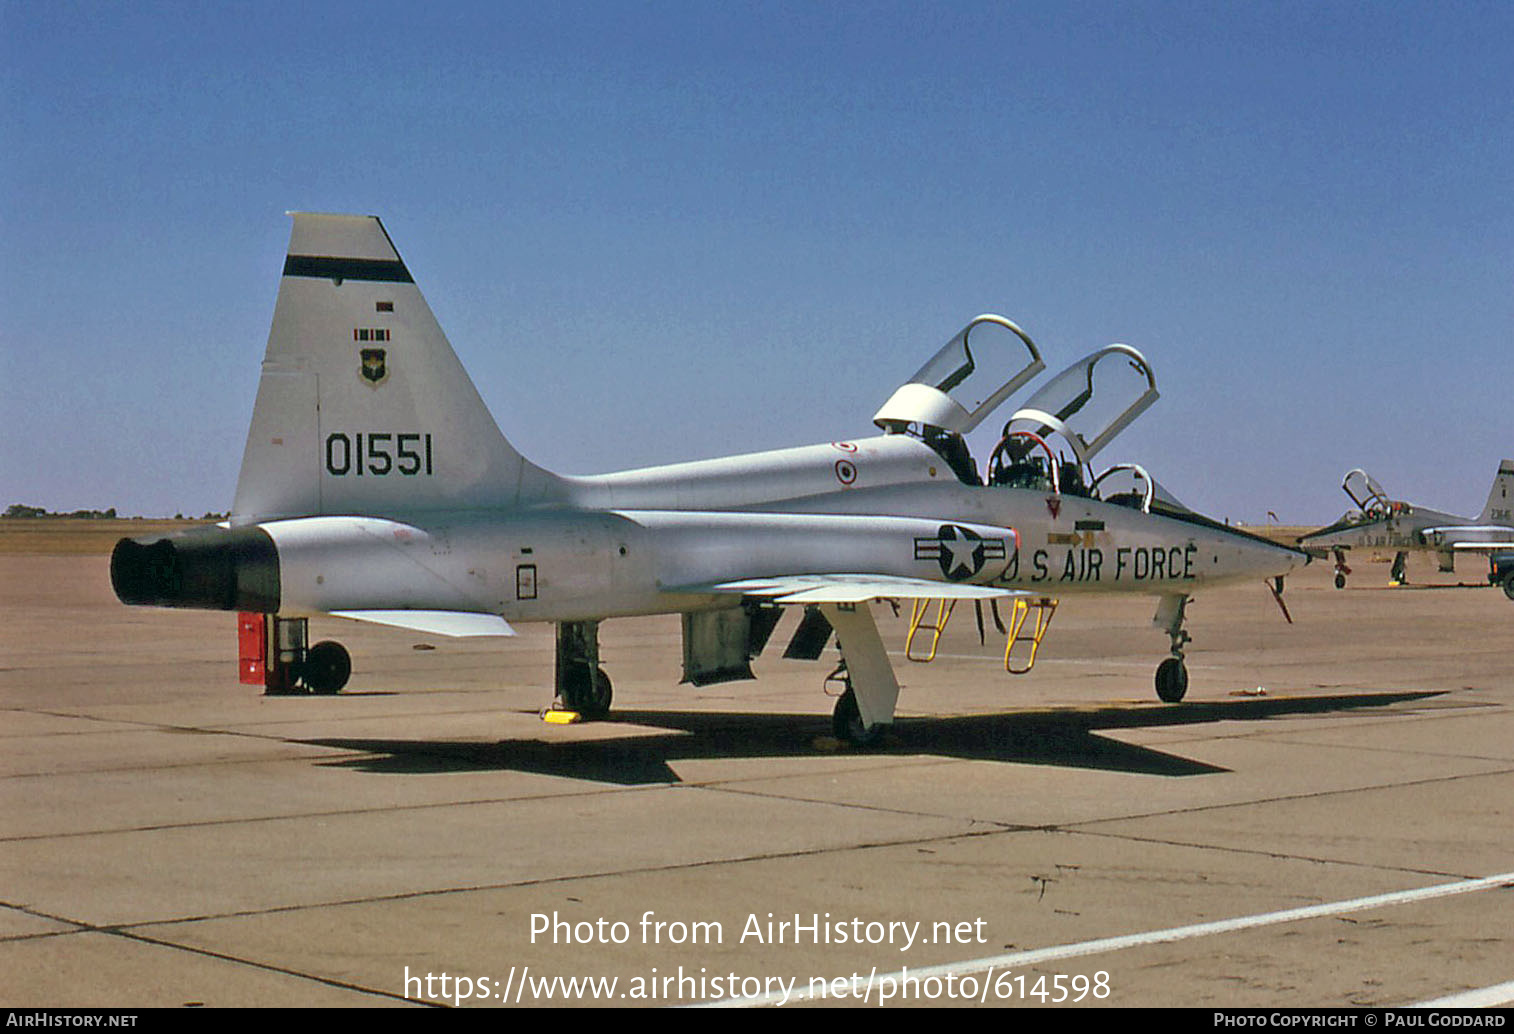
(1482, 998)
(1135, 940)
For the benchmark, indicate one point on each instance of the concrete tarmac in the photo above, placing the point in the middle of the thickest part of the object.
(169, 837)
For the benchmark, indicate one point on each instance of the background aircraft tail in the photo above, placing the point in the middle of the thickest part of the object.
(1499, 508)
(363, 407)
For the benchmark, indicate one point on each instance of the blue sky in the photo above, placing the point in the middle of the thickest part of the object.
(665, 231)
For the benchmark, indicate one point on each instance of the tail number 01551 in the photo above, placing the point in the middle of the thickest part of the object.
(377, 454)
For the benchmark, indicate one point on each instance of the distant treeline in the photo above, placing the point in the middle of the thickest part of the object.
(19, 510)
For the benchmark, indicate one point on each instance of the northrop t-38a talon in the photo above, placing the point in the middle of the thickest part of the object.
(376, 486)
(1382, 523)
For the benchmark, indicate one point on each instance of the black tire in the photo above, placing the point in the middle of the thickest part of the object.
(327, 667)
(1340, 581)
(1172, 680)
(1508, 585)
(846, 723)
(591, 698)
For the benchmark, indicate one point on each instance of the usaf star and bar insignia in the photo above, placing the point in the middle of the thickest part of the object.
(960, 551)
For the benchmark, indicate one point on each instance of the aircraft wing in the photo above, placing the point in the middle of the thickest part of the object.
(851, 588)
(437, 622)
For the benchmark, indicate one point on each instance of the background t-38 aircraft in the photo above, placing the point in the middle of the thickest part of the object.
(375, 485)
(1383, 523)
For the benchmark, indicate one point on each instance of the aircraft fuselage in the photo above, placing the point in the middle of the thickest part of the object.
(577, 561)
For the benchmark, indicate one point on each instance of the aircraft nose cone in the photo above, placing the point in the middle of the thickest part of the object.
(1275, 560)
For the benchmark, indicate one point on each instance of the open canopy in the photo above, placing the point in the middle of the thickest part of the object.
(1091, 401)
(1369, 496)
(985, 363)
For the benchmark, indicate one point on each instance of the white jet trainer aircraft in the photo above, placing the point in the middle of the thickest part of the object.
(375, 485)
(1383, 523)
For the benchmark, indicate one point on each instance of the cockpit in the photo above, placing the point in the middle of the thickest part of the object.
(1050, 441)
(1372, 502)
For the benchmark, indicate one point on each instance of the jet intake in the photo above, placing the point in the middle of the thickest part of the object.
(201, 568)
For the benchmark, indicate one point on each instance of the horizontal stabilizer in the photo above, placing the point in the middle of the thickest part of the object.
(437, 622)
(851, 588)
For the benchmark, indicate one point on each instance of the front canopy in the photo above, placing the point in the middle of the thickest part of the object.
(1091, 401)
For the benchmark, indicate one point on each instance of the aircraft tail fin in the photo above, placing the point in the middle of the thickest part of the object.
(1499, 508)
(363, 406)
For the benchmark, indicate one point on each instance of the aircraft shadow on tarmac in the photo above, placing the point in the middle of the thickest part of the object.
(1067, 738)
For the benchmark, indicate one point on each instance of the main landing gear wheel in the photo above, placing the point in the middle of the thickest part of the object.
(846, 722)
(589, 697)
(1172, 680)
(327, 667)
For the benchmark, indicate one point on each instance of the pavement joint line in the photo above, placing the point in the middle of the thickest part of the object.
(127, 934)
(1008, 827)
(240, 728)
(299, 816)
(1369, 749)
(704, 863)
(736, 782)
(716, 786)
(1276, 855)
(1353, 720)
(991, 830)
(265, 966)
(585, 793)
(1316, 795)
(1103, 945)
(343, 755)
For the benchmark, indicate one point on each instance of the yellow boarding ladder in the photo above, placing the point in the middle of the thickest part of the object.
(1045, 609)
(935, 628)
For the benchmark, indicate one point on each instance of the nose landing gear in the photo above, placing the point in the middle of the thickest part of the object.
(1341, 570)
(1172, 674)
